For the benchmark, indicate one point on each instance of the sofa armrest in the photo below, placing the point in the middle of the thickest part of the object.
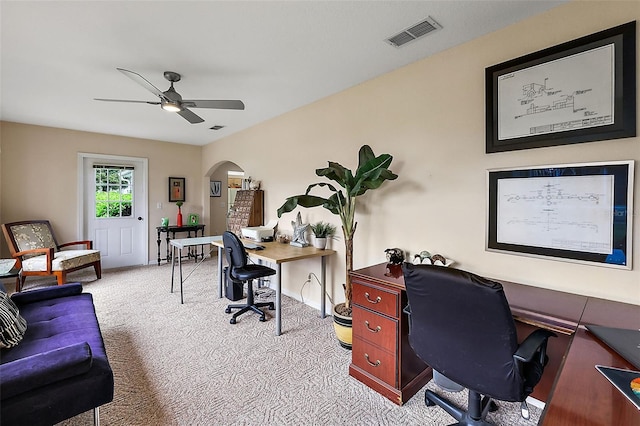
(46, 293)
(36, 371)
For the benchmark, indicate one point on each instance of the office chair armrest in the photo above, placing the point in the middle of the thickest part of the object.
(534, 342)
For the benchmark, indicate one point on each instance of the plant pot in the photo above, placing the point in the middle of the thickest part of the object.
(319, 243)
(342, 327)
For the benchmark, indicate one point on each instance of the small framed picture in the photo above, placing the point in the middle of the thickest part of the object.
(215, 188)
(194, 219)
(176, 189)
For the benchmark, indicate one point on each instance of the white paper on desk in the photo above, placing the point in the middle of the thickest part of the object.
(271, 224)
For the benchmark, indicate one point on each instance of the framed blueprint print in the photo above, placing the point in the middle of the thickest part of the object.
(572, 212)
(580, 91)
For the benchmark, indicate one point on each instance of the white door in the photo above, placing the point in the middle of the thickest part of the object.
(115, 209)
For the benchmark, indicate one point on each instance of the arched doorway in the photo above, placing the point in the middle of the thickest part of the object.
(219, 204)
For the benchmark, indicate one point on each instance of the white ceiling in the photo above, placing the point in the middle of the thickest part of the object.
(56, 56)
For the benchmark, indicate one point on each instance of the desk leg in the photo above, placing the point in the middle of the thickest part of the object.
(173, 267)
(180, 267)
(278, 280)
(220, 272)
(323, 285)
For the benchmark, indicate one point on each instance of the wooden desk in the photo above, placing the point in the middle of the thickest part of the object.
(574, 391)
(277, 254)
(582, 396)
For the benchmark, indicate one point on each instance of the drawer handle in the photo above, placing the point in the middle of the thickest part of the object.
(373, 330)
(378, 299)
(373, 364)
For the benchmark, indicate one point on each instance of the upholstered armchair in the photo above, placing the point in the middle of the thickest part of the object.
(34, 246)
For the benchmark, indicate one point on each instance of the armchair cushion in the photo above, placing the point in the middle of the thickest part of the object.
(63, 260)
(44, 368)
(12, 324)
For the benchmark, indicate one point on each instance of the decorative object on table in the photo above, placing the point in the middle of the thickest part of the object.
(254, 185)
(579, 91)
(372, 171)
(177, 189)
(299, 232)
(215, 188)
(179, 217)
(283, 238)
(193, 219)
(395, 256)
(164, 221)
(426, 258)
(6, 265)
(322, 231)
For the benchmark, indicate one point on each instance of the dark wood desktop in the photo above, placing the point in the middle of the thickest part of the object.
(574, 392)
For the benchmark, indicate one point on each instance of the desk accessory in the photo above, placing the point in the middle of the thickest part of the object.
(626, 381)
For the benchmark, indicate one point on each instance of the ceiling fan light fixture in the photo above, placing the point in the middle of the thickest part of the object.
(171, 106)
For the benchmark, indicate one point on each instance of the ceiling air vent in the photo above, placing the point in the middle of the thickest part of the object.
(414, 32)
(216, 127)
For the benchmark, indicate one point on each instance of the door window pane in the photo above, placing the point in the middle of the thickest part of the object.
(113, 191)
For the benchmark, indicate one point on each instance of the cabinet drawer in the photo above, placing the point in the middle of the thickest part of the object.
(376, 299)
(375, 328)
(374, 361)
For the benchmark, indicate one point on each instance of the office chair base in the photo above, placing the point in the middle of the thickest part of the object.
(478, 408)
(255, 307)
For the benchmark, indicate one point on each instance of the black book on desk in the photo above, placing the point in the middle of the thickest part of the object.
(625, 342)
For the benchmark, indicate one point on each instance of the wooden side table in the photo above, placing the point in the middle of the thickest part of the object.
(171, 232)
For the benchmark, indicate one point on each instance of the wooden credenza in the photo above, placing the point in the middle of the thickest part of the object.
(381, 356)
(248, 210)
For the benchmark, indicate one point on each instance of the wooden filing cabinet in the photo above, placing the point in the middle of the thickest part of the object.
(248, 210)
(381, 355)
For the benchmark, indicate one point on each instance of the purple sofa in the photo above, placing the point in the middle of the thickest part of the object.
(60, 368)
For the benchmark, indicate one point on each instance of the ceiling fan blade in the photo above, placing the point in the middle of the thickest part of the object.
(222, 104)
(190, 116)
(125, 100)
(142, 82)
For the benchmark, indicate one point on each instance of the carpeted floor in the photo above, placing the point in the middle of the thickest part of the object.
(186, 365)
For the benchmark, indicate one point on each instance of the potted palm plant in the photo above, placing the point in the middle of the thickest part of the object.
(322, 231)
(372, 171)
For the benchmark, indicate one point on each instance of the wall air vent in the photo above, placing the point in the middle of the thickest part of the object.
(414, 32)
(216, 127)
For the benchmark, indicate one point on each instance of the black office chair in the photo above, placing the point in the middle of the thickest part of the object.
(240, 270)
(461, 325)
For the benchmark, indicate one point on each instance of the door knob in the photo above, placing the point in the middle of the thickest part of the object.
(139, 217)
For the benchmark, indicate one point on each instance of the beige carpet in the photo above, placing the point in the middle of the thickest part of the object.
(186, 365)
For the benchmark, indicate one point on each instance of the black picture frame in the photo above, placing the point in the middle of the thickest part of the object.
(177, 189)
(215, 188)
(580, 213)
(601, 111)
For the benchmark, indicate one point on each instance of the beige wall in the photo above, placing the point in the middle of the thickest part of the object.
(430, 117)
(38, 169)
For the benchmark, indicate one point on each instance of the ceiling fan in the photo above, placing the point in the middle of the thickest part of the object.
(170, 100)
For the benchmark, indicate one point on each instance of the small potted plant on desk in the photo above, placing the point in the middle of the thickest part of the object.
(322, 231)
(372, 171)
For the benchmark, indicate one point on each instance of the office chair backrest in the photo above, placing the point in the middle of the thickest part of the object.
(234, 251)
(461, 325)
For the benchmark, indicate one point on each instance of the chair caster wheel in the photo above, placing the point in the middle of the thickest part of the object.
(227, 311)
(232, 321)
(493, 407)
(262, 319)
